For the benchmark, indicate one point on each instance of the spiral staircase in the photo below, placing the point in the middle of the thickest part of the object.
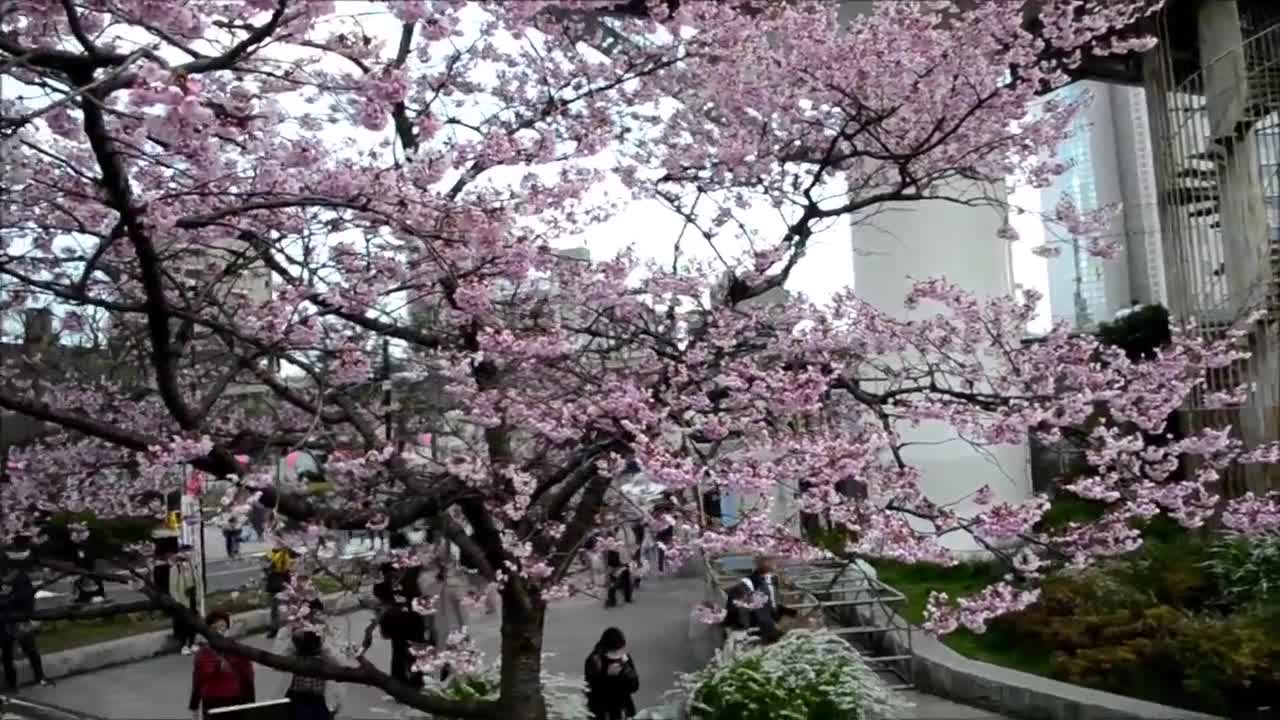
(1217, 136)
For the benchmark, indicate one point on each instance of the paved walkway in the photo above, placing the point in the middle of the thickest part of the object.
(656, 626)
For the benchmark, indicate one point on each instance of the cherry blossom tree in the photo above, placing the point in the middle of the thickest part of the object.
(252, 199)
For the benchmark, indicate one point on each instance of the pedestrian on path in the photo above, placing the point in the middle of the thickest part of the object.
(279, 575)
(667, 535)
(400, 624)
(87, 588)
(18, 597)
(449, 617)
(218, 680)
(611, 678)
(310, 698)
(258, 514)
(232, 533)
(185, 588)
(619, 577)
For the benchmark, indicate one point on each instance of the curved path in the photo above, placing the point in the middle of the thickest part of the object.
(657, 627)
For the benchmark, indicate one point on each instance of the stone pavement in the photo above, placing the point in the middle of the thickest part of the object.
(657, 628)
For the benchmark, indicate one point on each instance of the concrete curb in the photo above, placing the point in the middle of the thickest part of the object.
(939, 670)
(143, 646)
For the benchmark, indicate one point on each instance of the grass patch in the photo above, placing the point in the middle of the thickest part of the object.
(996, 646)
(58, 635)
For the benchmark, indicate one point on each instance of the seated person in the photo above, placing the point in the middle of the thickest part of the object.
(755, 603)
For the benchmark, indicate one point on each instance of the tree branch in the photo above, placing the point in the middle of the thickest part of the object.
(239, 50)
(115, 183)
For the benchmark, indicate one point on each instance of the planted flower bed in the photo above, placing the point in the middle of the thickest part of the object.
(1186, 620)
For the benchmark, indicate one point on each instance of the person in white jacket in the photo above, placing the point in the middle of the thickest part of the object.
(450, 615)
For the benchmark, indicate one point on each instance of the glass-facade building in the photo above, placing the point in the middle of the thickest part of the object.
(1110, 163)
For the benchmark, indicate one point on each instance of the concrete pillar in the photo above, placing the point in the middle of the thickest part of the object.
(1227, 99)
(938, 238)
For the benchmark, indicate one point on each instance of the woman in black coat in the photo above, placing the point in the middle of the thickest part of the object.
(611, 678)
(17, 603)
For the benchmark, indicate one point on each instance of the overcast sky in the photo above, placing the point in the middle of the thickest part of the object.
(651, 229)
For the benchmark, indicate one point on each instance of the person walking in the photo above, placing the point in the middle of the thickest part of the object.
(667, 535)
(233, 533)
(185, 588)
(17, 603)
(87, 588)
(399, 622)
(279, 575)
(593, 559)
(258, 514)
(449, 617)
(619, 577)
(310, 698)
(611, 678)
(219, 680)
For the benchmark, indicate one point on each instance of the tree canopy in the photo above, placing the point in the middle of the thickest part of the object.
(244, 202)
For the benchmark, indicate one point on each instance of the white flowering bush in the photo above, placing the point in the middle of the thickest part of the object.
(807, 675)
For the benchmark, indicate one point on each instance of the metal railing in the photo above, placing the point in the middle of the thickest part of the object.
(835, 595)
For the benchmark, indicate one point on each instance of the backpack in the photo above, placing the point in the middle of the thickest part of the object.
(732, 611)
(279, 561)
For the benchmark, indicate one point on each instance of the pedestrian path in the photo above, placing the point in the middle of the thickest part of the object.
(656, 626)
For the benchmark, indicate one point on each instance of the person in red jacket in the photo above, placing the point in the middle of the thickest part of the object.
(219, 680)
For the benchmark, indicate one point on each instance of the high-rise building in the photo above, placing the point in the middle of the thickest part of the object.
(1110, 161)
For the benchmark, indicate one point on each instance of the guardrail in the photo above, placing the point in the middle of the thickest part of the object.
(832, 595)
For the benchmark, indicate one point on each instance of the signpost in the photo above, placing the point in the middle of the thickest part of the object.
(192, 534)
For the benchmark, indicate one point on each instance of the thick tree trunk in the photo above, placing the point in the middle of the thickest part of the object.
(521, 658)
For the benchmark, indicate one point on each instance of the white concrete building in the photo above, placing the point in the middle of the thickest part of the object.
(939, 238)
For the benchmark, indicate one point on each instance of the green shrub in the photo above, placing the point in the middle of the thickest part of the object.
(565, 697)
(808, 675)
(1140, 333)
(1066, 508)
(1140, 627)
(107, 536)
(1247, 569)
(1227, 665)
(1169, 572)
(1152, 624)
(834, 540)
